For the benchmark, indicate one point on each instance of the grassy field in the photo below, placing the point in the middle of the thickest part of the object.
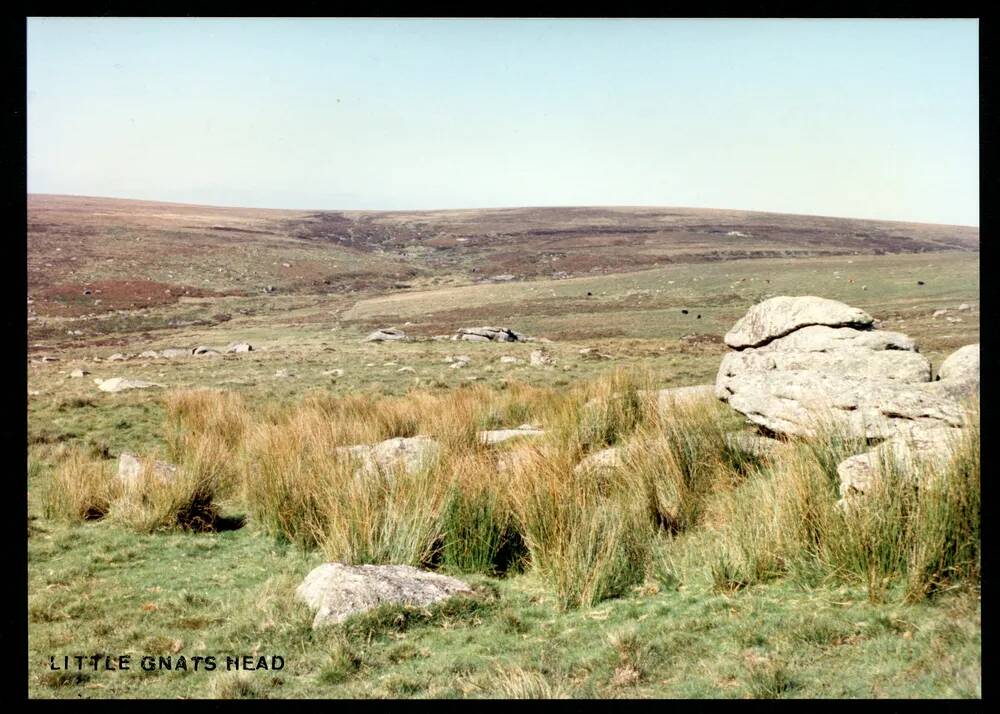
(691, 621)
(703, 609)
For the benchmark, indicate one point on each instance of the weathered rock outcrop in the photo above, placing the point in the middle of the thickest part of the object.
(488, 334)
(818, 362)
(802, 364)
(337, 591)
(782, 315)
(388, 334)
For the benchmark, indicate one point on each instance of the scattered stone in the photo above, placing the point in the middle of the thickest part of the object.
(497, 436)
(540, 358)
(388, 334)
(240, 347)
(78, 373)
(682, 396)
(336, 372)
(117, 357)
(488, 334)
(174, 353)
(149, 354)
(202, 350)
(121, 384)
(411, 454)
(282, 373)
(508, 359)
(605, 460)
(939, 313)
(752, 443)
(406, 369)
(337, 591)
(932, 446)
(130, 470)
(964, 306)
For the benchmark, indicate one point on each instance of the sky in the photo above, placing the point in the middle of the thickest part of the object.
(866, 119)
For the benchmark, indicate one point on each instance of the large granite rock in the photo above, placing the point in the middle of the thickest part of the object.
(961, 366)
(782, 315)
(806, 364)
(337, 591)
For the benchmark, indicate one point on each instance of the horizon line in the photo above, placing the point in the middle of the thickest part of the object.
(504, 208)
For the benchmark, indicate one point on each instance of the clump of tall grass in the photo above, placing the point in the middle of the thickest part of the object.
(299, 486)
(205, 428)
(681, 457)
(589, 538)
(606, 411)
(917, 526)
(479, 532)
(81, 487)
(185, 499)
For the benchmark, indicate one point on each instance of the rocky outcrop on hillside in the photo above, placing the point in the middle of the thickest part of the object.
(803, 364)
(488, 334)
(386, 334)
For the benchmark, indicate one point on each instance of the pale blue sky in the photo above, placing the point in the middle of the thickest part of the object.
(869, 118)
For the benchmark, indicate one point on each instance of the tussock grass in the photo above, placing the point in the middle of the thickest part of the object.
(590, 534)
(521, 683)
(82, 487)
(590, 539)
(185, 500)
(479, 529)
(918, 526)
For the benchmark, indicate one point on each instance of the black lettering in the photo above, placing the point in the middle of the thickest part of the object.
(123, 661)
(210, 663)
(79, 661)
(165, 663)
(181, 663)
(247, 662)
(232, 663)
(277, 663)
(148, 663)
(197, 661)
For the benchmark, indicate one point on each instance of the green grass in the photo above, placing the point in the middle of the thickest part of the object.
(97, 588)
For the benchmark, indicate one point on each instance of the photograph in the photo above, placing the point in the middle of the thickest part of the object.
(385, 358)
